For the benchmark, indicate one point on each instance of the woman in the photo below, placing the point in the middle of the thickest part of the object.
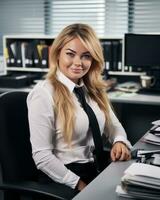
(62, 142)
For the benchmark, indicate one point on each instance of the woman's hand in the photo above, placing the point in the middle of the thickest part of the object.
(81, 185)
(120, 151)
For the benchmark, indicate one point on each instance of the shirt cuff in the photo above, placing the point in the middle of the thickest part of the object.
(123, 139)
(71, 179)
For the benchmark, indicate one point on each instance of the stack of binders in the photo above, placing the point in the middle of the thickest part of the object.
(26, 53)
(140, 181)
(112, 50)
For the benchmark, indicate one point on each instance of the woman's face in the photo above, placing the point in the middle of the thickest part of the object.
(74, 60)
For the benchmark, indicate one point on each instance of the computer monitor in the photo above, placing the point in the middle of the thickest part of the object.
(142, 50)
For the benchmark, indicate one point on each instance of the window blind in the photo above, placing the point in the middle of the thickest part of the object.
(21, 17)
(50, 16)
(144, 16)
(105, 16)
(60, 13)
(116, 17)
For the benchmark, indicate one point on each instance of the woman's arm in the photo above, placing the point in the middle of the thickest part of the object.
(117, 136)
(42, 133)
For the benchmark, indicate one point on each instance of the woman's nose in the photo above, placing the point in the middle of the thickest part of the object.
(77, 60)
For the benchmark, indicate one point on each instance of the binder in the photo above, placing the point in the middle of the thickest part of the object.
(28, 55)
(49, 51)
(43, 54)
(105, 72)
(11, 58)
(115, 55)
(120, 55)
(108, 55)
(44, 57)
(18, 54)
(36, 56)
(13, 48)
(39, 48)
(23, 53)
(103, 48)
(6, 56)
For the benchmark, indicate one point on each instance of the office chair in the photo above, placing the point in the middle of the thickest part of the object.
(19, 173)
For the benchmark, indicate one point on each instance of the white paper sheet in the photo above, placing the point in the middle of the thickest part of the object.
(152, 138)
(141, 169)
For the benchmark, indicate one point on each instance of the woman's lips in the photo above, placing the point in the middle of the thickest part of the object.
(77, 70)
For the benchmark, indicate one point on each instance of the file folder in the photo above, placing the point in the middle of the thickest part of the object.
(18, 54)
(36, 57)
(29, 55)
(108, 55)
(120, 56)
(115, 55)
(11, 58)
(44, 58)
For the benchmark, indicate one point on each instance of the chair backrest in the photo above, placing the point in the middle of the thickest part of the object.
(15, 148)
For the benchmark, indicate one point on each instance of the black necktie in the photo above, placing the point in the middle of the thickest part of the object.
(101, 159)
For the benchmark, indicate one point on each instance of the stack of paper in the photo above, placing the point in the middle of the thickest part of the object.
(157, 122)
(153, 136)
(140, 181)
(152, 139)
(128, 87)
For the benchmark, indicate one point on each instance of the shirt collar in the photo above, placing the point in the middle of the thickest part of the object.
(67, 82)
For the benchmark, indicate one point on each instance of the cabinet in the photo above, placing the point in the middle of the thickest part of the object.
(29, 53)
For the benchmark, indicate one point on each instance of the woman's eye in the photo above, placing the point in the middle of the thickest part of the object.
(70, 54)
(88, 57)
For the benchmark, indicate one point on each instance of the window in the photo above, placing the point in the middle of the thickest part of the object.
(116, 17)
(60, 13)
(144, 16)
(21, 17)
(107, 17)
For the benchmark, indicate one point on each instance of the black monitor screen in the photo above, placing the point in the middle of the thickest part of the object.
(142, 50)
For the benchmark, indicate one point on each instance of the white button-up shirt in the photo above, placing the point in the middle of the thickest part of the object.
(50, 151)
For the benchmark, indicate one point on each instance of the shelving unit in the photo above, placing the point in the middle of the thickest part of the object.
(112, 48)
(18, 46)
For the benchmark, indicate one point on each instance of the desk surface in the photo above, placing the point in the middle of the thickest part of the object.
(117, 97)
(104, 186)
(121, 97)
(25, 89)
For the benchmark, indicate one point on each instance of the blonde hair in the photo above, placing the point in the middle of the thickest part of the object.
(64, 105)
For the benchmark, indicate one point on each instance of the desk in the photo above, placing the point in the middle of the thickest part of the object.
(24, 89)
(103, 187)
(119, 97)
(115, 97)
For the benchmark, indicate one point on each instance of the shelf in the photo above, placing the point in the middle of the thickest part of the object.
(48, 41)
(126, 73)
(27, 69)
(29, 36)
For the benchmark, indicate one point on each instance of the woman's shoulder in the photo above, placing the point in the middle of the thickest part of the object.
(44, 85)
(42, 89)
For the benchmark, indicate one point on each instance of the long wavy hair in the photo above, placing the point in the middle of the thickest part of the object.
(64, 107)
